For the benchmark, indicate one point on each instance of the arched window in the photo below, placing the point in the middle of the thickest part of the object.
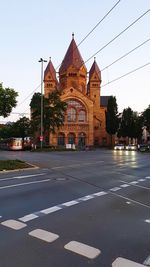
(76, 111)
(82, 116)
(61, 139)
(71, 114)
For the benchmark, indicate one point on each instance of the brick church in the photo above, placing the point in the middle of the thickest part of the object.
(84, 122)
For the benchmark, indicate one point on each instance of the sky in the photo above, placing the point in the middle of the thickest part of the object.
(35, 29)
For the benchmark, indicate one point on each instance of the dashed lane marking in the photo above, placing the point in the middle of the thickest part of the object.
(141, 180)
(147, 177)
(133, 182)
(28, 217)
(70, 203)
(14, 224)
(82, 249)
(114, 189)
(44, 235)
(51, 209)
(124, 185)
(121, 262)
(147, 220)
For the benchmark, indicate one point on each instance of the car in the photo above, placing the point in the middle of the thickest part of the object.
(119, 147)
(144, 147)
(131, 147)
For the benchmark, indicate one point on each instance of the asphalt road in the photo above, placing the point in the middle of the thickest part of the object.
(77, 209)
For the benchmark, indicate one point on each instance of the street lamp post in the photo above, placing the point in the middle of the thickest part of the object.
(41, 132)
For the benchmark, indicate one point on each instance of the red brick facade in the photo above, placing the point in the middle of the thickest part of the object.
(85, 116)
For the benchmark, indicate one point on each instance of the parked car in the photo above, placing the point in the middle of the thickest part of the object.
(119, 147)
(131, 147)
(144, 147)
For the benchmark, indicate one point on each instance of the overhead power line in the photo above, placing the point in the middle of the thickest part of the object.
(118, 35)
(128, 53)
(126, 74)
(78, 44)
(88, 34)
(98, 23)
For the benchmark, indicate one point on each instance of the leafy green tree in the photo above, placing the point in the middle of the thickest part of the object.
(131, 124)
(53, 112)
(146, 118)
(112, 121)
(6, 131)
(7, 100)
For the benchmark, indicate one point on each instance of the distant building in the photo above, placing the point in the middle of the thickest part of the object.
(85, 116)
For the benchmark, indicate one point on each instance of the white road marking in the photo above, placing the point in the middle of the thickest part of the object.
(124, 185)
(44, 235)
(22, 177)
(128, 202)
(82, 249)
(28, 217)
(50, 210)
(148, 220)
(133, 182)
(14, 224)
(70, 203)
(141, 180)
(16, 185)
(132, 200)
(101, 193)
(147, 177)
(114, 189)
(86, 198)
(121, 262)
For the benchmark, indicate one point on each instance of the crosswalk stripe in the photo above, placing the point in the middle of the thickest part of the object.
(82, 249)
(114, 189)
(44, 235)
(13, 224)
(121, 262)
(50, 210)
(70, 203)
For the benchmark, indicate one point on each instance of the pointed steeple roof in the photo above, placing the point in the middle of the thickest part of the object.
(95, 69)
(50, 70)
(72, 57)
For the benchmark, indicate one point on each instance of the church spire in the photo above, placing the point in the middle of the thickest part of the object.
(95, 70)
(72, 57)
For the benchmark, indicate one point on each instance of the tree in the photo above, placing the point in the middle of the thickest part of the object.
(146, 118)
(53, 112)
(112, 121)
(7, 100)
(131, 124)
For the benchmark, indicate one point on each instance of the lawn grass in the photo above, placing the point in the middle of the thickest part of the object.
(13, 164)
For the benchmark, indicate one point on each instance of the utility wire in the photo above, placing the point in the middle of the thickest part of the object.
(126, 54)
(128, 73)
(95, 27)
(118, 35)
(29, 95)
(78, 44)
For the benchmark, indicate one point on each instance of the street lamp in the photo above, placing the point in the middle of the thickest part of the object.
(41, 133)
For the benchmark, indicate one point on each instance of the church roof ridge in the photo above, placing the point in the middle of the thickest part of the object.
(72, 57)
(50, 68)
(95, 68)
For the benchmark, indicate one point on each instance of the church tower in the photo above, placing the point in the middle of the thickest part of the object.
(50, 80)
(72, 72)
(94, 94)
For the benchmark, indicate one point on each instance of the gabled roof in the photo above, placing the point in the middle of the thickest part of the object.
(72, 57)
(95, 69)
(51, 70)
(104, 101)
